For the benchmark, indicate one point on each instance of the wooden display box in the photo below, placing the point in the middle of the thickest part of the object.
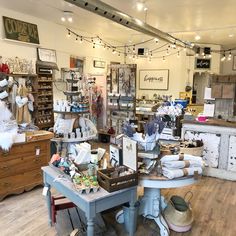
(130, 154)
(118, 183)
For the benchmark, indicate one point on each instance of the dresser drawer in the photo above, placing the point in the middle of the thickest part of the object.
(22, 164)
(25, 149)
(18, 183)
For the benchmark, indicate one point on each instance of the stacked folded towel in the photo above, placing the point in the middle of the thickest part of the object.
(175, 166)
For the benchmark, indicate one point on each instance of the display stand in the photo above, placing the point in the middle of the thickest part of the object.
(44, 113)
(121, 94)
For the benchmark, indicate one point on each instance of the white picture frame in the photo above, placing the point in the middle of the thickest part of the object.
(130, 153)
(47, 55)
(156, 79)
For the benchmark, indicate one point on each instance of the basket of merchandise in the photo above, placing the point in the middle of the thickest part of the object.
(85, 184)
(120, 177)
(194, 147)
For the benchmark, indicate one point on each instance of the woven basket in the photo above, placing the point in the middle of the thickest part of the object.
(197, 151)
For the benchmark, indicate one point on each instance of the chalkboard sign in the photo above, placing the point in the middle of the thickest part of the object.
(20, 30)
(203, 63)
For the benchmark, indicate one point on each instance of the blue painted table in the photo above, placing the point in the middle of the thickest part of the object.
(92, 203)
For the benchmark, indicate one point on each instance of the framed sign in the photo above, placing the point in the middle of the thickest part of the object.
(99, 64)
(154, 79)
(47, 55)
(234, 62)
(202, 63)
(20, 30)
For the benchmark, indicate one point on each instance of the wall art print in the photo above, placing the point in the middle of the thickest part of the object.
(154, 79)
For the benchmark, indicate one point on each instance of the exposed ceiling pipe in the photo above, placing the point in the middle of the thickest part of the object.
(100, 8)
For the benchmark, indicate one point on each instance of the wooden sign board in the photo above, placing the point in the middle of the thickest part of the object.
(20, 30)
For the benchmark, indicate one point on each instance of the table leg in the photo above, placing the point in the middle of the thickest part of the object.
(90, 227)
(151, 205)
(132, 218)
(48, 199)
(164, 229)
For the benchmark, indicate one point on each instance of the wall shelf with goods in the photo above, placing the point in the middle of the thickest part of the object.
(121, 94)
(73, 112)
(45, 116)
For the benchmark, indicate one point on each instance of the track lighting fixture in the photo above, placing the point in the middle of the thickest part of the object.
(67, 16)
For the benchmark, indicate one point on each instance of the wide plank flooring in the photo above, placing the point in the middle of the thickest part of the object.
(213, 202)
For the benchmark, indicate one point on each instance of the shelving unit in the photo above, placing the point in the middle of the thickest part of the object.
(121, 94)
(45, 116)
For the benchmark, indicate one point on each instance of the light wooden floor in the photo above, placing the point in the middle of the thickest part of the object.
(214, 205)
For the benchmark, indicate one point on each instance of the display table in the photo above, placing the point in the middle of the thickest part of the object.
(90, 204)
(219, 139)
(152, 203)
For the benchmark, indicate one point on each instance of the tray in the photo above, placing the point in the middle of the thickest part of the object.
(114, 184)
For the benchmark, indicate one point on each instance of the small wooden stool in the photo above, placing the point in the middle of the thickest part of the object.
(57, 206)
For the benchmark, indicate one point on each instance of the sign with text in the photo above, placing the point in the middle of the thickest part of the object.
(154, 79)
(20, 31)
(203, 63)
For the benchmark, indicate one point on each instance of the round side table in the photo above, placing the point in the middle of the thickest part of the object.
(152, 203)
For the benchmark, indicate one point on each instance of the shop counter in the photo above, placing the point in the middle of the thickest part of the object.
(219, 138)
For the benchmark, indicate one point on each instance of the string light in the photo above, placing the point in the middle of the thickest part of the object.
(156, 40)
(114, 51)
(68, 34)
(81, 39)
(230, 56)
(76, 39)
(94, 45)
(223, 58)
(167, 51)
(178, 55)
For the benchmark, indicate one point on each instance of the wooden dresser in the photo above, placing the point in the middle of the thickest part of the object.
(20, 167)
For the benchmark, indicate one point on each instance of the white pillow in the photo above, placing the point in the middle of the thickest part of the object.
(63, 126)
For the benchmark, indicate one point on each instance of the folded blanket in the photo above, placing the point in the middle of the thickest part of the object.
(171, 174)
(180, 157)
(183, 164)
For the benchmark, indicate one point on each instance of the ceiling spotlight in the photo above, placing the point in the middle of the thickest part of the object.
(140, 6)
(197, 37)
(67, 15)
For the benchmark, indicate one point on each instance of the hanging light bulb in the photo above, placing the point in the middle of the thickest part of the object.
(163, 58)
(178, 55)
(185, 48)
(134, 49)
(174, 45)
(94, 45)
(104, 47)
(68, 34)
(156, 40)
(223, 58)
(114, 51)
(76, 39)
(149, 59)
(133, 57)
(151, 54)
(92, 40)
(167, 51)
(81, 39)
(229, 56)
(118, 54)
(209, 56)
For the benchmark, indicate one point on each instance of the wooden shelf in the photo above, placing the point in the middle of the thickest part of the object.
(65, 112)
(43, 95)
(44, 88)
(45, 108)
(45, 81)
(67, 93)
(22, 75)
(48, 101)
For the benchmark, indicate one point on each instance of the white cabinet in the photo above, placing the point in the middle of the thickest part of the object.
(232, 153)
(211, 142)
(219, 147)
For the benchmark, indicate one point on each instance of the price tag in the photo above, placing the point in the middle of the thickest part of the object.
(37, 151)
(45, 191)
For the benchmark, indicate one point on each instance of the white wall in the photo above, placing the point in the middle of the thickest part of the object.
(227, 67)
(54, 36)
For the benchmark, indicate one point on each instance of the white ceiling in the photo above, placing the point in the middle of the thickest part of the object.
(213, 20)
